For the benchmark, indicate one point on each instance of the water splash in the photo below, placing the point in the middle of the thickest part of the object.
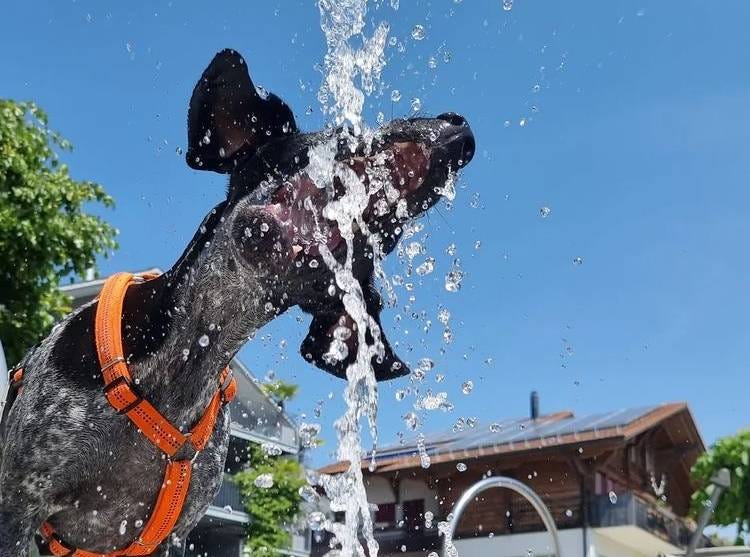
(342, 21)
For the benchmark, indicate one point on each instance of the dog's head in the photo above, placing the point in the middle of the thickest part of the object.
(282, 180)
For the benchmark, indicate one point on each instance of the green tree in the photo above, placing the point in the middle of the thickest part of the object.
(272, 509)
(280, 391)
(733, 453)
(46, 233)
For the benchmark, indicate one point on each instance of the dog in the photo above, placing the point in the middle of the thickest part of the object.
(66, 457)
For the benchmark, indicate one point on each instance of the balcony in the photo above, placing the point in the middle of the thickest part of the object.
(227, 505)
(631, 510)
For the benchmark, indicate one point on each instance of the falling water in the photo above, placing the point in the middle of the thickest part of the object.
(342, 99)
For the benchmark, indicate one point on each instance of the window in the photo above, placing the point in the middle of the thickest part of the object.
(413, 514)
(386, 513)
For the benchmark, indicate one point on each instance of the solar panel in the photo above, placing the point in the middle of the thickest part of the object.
(515, 431)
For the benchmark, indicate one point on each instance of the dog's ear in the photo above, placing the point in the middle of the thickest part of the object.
(229, 118)
(331, 322)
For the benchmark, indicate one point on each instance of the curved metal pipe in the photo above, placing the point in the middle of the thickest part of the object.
(508, 483)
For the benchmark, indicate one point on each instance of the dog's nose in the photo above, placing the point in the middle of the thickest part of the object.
(453, 119)
(463, 134)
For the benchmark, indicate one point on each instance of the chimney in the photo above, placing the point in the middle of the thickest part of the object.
(534, 405)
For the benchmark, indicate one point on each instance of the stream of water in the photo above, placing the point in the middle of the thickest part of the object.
(351, 73)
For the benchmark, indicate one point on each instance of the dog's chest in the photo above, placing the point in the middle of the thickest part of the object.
(114, 500)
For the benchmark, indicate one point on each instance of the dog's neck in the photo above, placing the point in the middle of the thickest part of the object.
(182, 328)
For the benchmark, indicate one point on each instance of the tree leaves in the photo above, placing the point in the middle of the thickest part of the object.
(272, 510)
(46, 233)
(733, 453)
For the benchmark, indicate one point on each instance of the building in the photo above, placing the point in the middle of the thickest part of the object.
(617, 484)
(255, 419)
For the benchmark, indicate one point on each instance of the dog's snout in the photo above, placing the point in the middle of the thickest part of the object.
(453, 119)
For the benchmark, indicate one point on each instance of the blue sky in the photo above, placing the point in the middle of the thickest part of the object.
(636, 140)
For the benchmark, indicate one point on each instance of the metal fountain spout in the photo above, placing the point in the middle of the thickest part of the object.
(507, 483)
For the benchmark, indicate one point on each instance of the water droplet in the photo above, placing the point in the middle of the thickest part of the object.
(461, 467)
(544, 212)
(264, 227)
(395, 95)
(418, 33)
(577, 261)
(444, 316)
(271, 449)
(264, 481)
(507, 5)
(432, 62)
(495, 427)
(411, 420)
(427, 267)
(178, 151)
(568, 513)
(203, 341)
(467, 387)
(416, 104)
(400, 394)
(316, 520)
(123, 527)
(308, 434)
(309, 494)
(447, 336)
(394, 4)
(613, 497)
(453, 280)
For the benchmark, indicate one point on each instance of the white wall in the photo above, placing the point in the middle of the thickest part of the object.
(415, 489)
(631, 542)
(379, 490)
(519, 545)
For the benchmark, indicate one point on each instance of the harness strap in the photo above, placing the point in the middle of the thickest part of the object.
(123, 397)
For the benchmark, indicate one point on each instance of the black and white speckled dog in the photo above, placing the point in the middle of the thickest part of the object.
(65, 454)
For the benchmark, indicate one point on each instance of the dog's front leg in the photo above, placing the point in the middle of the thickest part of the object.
(16, 531)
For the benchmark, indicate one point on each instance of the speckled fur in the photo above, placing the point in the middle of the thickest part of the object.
(66, 456)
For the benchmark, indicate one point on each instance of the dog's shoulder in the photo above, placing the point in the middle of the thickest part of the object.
(73, 351)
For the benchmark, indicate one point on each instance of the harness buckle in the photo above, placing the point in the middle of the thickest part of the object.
(120, 380)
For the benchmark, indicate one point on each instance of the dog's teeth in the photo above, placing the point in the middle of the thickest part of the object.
(296, 249)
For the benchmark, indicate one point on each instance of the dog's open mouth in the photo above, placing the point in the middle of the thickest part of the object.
(391, 179)
(371, 190)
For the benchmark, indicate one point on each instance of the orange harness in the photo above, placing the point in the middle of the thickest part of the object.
(118, 388)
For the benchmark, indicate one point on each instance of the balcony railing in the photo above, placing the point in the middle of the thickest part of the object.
(629, 509)
(229, 496)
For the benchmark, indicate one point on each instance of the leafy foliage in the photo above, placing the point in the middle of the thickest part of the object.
(279, 391)
(45, 232)
(733, 453)
(274, 509)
